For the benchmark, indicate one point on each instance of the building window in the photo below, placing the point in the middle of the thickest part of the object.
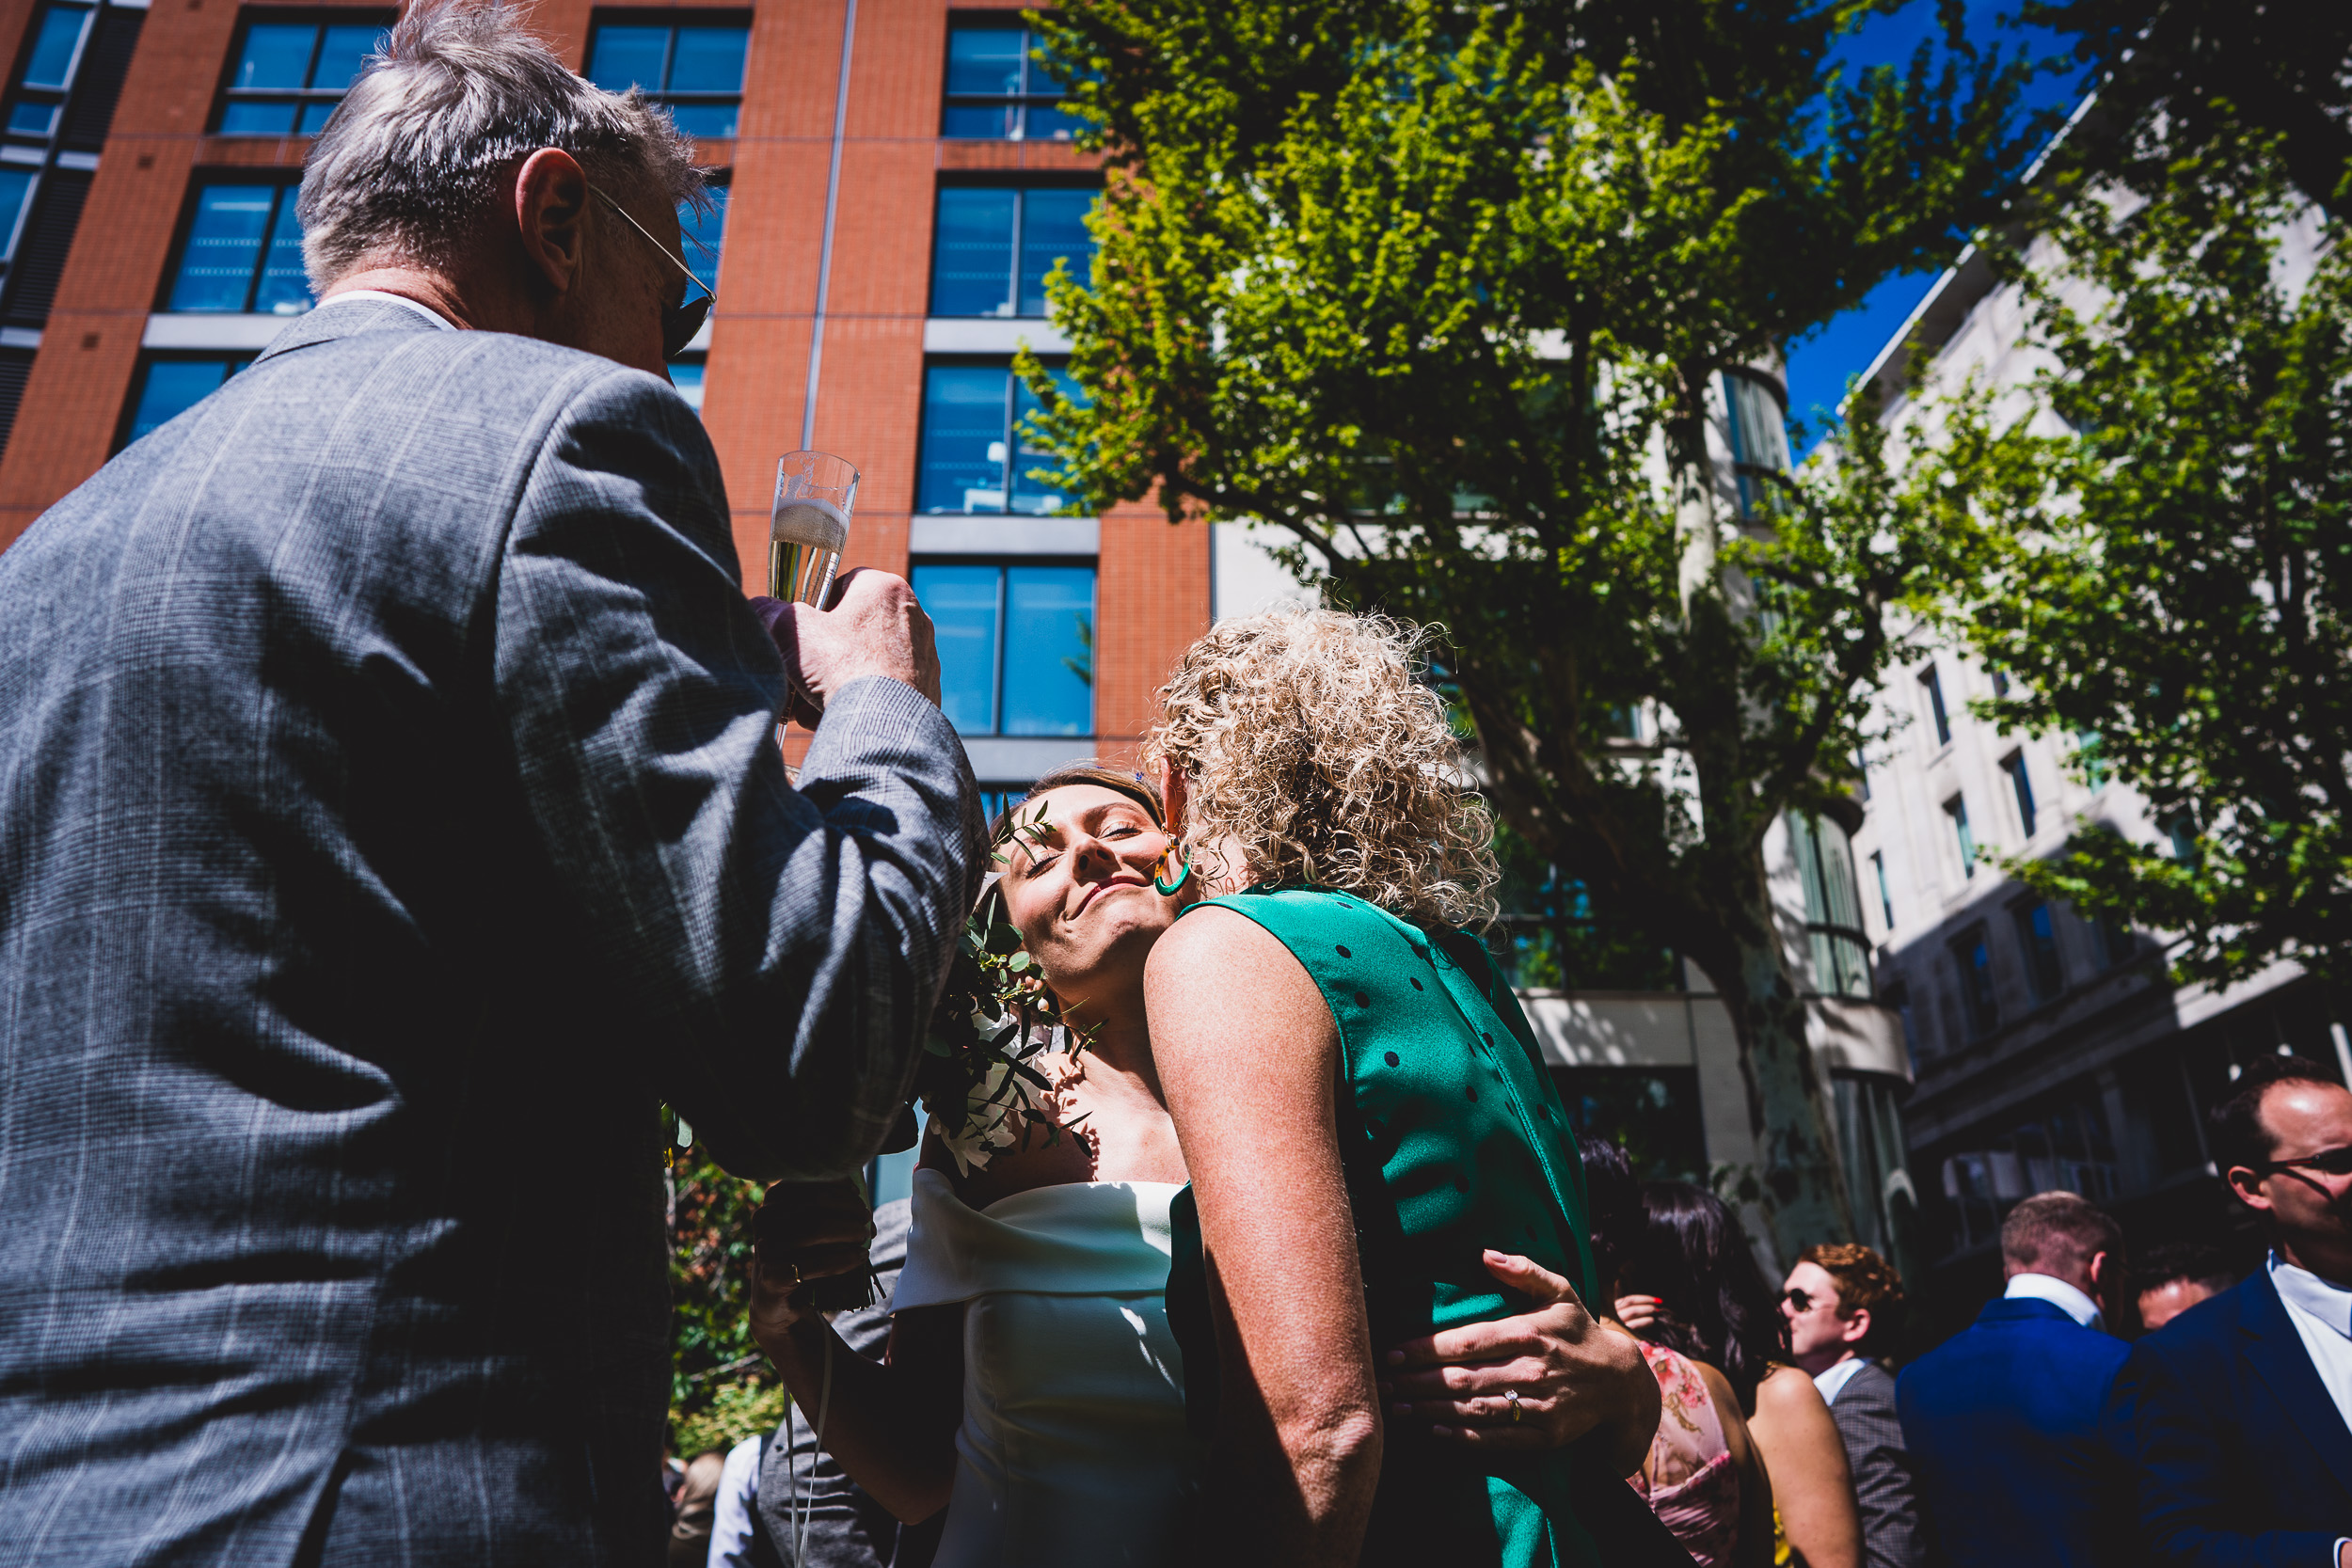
(974, 458)
(1862, 778)
(1957, 809)
(1758, 428)
(1016, 646)
(16, 185)
(2116, 943)
(999, 90)
(1897, 998)
(998, 798)
(2090, 756)
(993, 247)
(290, 76)
(1971, 956)
(1886, 897)
(1832, 906)
(695, 69)
(2037, 937)
(700, 235)
(686, 375)
(57, 45)
(169, 387)
(242, 253)
(1934, 686)
(2021, 787)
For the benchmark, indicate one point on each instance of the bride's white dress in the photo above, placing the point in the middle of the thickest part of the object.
(1073, 1449)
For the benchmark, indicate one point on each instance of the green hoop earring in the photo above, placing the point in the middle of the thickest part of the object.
(1184, 874)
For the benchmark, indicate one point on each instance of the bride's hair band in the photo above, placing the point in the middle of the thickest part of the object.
(1118, 780)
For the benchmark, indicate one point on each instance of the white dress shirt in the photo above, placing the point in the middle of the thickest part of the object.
(2043, 1287)
(731, 1514)
(1830, 1382)
(2322, 1316)
(425, 310)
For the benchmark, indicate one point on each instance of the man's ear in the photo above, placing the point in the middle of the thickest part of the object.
(551, 200)
(1857, 1326)
(2246, 1185)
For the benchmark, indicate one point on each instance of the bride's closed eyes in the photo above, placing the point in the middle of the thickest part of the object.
(1116, 831)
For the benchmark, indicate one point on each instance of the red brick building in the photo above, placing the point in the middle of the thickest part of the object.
(146, 174)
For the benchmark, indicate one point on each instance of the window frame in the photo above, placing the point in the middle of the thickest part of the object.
(22, 89)
(302, 98)
(1963, 834)
(1017, 105)
(237, 361)
(1002, 564)
(1013, 437)
(2021, 791)
(2043, 986)
(200, 181)
(1980, 997)
(1933, 681)
(676, 21)
(1022, 188)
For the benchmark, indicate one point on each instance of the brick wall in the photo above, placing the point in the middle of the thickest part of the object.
(1153, 585)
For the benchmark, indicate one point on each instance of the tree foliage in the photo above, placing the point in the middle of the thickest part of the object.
(721, 1386)
(1445, 293)
(2166, 564)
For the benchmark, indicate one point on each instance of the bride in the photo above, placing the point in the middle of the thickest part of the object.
(1032, 1385)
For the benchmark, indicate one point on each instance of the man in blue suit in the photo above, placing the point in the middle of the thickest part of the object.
(2239, 1411)
(2004, 1419)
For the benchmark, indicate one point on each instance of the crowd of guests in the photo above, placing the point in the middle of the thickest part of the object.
(2222, 1436)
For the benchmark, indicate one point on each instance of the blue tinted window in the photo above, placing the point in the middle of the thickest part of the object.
(244, 252)
(15, 185)
(290, 76)
(695, 71)
(996, 89)
(1049, 650)
(172, 386)
(1031, 493)
(966, 415)
(1053, 226)
(1016, 646)
(687, 376)
(699, 234)
(276, 57)
(30, 119)
(51, 64)
(986, 61)
(972, 251)
(708, 59)
(974, 458)
(966, 610)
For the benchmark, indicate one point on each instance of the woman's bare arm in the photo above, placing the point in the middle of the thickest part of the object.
(1754, 1545)
(1248, 1059)
(1811, 1481)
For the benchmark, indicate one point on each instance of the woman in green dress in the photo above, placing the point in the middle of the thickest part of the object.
(1377, 1152)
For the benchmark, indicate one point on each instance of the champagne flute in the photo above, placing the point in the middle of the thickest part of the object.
(809, 525)
(807, 529)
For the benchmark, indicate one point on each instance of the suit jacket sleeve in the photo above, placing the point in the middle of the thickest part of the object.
(2187, 1514)
(777, 951)
(1885, 1485)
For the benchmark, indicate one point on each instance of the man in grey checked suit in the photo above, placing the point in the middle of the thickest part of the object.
(1843, 1303)
(390, 819)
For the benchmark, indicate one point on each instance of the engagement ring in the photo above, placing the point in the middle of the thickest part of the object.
(1513, 1395)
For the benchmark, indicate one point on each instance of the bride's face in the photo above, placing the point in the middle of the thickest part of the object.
(1078, 885)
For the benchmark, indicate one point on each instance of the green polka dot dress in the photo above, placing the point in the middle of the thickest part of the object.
(1453, 1141)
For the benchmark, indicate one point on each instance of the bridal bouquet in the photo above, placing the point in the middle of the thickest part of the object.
(981, 1078)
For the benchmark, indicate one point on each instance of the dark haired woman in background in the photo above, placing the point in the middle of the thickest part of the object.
(1693, 1284)
(1702, 1477)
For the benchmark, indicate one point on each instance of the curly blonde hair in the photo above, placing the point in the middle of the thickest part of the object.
(1306, 737)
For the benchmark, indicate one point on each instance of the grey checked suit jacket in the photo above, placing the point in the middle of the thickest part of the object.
(1886, 1482)
(390, 816)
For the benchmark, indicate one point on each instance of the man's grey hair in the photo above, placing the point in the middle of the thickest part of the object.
(407, 170)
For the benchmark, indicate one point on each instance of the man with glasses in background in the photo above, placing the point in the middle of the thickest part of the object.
(1843, 1305)
(2238, 1413)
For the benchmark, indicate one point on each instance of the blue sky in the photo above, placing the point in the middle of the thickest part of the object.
(1820, 363)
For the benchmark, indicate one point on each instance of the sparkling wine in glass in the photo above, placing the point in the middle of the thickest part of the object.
(809, 525)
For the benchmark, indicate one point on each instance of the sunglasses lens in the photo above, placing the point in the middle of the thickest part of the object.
(2333, 1161)
(680, 322)
(1798, 1299)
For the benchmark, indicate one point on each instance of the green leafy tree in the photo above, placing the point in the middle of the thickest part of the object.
(1441, 293)
(2163, 547)
(721, 1387)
